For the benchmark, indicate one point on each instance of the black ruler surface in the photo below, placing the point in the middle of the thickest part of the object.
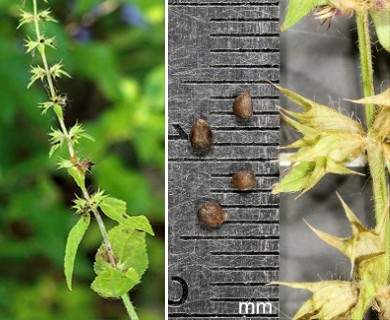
(217, 49)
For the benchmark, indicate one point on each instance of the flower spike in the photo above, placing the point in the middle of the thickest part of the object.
(330, 140)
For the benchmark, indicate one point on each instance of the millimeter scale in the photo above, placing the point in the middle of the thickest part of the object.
(216, 50)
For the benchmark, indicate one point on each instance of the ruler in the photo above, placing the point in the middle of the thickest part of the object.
(217, 49)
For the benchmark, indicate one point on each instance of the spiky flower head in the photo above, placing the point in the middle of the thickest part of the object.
(330, 140)
(363, 244)
(381, 126)
(346, 300)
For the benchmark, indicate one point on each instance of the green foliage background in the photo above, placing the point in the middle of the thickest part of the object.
(116, 60)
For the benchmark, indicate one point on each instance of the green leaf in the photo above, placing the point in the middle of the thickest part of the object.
(129, 247)
(140, 223)
(296, 10)
(115, 209)
(112, 283)
(74, 238)
(78, 176)
(382, 26)
(58, 110)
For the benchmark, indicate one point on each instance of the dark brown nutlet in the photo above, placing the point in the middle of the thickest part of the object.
(243, 106)
(211, 215)
(244, 180)
(201, 137)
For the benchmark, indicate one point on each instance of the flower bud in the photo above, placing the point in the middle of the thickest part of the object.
(330, 140)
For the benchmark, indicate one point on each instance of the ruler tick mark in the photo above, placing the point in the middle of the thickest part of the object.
(238, 43)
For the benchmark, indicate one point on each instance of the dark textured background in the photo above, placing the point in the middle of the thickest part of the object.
(216, 50)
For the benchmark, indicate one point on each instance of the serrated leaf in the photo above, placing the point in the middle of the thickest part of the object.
(75, 236)
(115, 209)
(113, 283)
(297, 9)
(382, 26)
(129, 248)
(140, 223)
(78, 176)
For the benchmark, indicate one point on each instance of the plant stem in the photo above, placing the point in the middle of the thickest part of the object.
(50, 81)
(374, 153)
(129, 307)
(74, 158)
(378, 176)
(366, 63)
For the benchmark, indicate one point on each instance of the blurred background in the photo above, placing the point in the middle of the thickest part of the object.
(114, 51)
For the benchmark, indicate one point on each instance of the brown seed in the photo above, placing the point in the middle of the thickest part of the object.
(211, 215)
(244, 180)
(243, 106)
(201, 137)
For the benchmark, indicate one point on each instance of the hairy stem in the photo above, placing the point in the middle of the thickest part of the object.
(129, 307)
(374, 154)
(74, 158)
(378, 176)
(366, 63)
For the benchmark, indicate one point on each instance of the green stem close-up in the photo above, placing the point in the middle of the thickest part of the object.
(74, 159)
(374, 154)
(366, 63)
(129, 307)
